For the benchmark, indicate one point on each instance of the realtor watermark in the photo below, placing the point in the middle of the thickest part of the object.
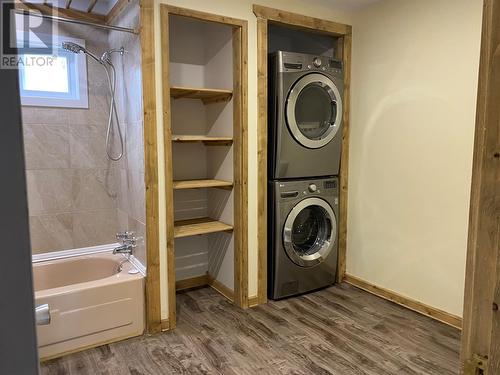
(27, 37)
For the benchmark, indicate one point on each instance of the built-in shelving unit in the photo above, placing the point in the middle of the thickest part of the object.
(207, 140)
(199, 226)
(207, 96)
(200, 184)
(204, 84)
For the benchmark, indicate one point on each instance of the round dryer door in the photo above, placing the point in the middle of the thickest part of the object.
(314, 110)
(309, 232)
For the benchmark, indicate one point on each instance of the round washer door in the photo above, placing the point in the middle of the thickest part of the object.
(314, 110)
(309, 232)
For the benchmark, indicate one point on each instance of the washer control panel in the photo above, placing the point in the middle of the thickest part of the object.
(293, 190)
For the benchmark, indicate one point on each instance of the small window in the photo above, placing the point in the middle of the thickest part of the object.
(58, 80)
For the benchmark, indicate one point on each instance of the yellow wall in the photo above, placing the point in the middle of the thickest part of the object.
(241, 9)
(414, 83)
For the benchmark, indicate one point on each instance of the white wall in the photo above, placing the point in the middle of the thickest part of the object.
(414, 83)
(241, 9)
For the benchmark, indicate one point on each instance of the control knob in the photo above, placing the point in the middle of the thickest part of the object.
(317, 62)
(313, 188)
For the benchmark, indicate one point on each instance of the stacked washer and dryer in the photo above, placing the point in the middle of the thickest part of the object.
(305, 137)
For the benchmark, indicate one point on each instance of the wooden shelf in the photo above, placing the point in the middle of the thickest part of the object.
(207, 96)
(209, 141)
(200, 184)
(194, 227)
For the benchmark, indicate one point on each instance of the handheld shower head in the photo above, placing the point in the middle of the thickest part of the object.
(72, 47)
(108, 66)
(76, 48)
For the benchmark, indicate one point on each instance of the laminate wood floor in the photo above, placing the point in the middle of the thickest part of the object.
(340, 330)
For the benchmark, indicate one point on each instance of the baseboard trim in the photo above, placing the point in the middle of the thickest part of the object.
(253, 301)
(165, 325)
(193, 282)
(221, 288)
(422, 308)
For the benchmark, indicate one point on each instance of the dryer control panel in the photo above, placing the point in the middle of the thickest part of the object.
(297, 62)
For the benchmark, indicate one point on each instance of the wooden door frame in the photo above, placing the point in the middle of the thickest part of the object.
(153, 296)
(266, 15)
(240, 153)
(482, 285)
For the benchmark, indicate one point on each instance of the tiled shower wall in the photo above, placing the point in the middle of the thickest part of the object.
(131, 209)
(72, 191)
(77, 197)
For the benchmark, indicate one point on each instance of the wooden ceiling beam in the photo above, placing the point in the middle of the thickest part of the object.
(91, 6)
(67, 13)
(116, 11)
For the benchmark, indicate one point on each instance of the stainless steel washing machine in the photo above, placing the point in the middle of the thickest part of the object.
(302, 236)
(305, 115)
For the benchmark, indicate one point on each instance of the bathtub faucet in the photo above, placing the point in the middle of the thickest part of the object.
(126, 248)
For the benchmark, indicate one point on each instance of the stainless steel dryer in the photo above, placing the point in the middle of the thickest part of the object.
(303, 234)
(305, 115)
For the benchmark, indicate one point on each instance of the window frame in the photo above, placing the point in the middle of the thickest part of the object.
(77, 96)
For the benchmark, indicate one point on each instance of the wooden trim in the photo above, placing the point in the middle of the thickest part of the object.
(253, 301)
(204, 16)
(153, 298)
(262, 159)
(91, 6)
(167, 139)
(221, 288)
(344, 53)
(165, 325)
(299, 20)
(117, 10)
(240, 160)
(422, 308)
(193, 282)
(240, 152)
(343, 50)
(67, 13)
(481, 326)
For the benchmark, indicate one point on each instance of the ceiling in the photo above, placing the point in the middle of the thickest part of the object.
(99, 7)
(103, 7)
(351, 5)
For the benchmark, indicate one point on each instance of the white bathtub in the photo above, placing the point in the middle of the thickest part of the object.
(91, 302)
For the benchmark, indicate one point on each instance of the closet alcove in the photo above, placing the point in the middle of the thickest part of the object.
(205, 67)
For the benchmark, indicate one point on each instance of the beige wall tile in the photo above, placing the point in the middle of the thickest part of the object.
(135, 146)
(139, 230)
(88, 147)
(51, 233)
(94, 189)
(92, 228)
(46, 146)
(49, 191)
(136, 196)
(122, 220)
(123, 193)
(44, 115)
